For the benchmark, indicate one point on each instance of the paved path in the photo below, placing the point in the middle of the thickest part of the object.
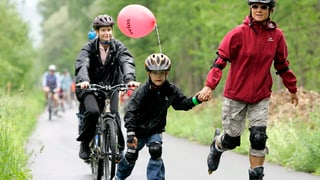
(55, 157)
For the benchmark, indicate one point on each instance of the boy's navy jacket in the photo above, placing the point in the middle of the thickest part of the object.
(147, 107)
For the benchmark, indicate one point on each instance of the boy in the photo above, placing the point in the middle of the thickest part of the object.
(145, 119)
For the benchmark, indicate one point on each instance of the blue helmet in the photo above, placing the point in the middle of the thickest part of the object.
(91, 34)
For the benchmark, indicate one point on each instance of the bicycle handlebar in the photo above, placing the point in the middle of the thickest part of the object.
(108, 88)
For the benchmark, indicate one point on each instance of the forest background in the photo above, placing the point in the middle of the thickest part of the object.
(190, 32)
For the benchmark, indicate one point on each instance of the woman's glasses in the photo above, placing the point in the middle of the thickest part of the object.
(255, 6)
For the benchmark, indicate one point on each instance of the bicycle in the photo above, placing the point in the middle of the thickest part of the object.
(104, 146)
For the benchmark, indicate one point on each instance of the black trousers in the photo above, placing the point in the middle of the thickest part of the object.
(92, 108)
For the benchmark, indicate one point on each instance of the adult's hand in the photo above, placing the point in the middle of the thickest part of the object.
(205, 94)
(84, 84)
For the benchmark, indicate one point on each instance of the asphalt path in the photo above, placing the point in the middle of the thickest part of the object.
(54, 156)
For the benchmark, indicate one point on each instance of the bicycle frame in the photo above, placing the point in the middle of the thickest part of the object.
(104, 146)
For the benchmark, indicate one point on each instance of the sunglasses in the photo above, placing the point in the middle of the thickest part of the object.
(255, 6)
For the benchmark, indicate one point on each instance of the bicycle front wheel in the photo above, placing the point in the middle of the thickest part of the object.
(110, 145)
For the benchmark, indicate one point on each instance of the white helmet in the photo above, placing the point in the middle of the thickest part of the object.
(52, 67)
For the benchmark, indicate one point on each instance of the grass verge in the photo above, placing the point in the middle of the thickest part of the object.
(18, 114)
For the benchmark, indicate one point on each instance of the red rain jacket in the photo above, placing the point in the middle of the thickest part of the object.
(251, 49)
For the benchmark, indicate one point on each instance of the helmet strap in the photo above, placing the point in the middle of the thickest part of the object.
(105, 42)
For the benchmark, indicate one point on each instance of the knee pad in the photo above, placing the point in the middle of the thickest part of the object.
(258, 137)
(229, 142)
(155, 150)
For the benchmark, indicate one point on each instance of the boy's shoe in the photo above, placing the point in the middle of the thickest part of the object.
(256, 173)
(214, 155)
(84, 152)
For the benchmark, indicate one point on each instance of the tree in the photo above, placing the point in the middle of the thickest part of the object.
(17, 60)
(189, 33)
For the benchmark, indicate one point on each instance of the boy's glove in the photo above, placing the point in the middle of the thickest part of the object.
(132, 142)
(130, 137)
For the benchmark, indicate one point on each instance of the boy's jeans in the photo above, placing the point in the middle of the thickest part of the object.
(155, 169)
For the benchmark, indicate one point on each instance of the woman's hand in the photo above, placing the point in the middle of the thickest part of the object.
(205, 94)
(84, 84)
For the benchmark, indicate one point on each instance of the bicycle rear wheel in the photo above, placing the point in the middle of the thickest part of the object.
(50, 107)
(111, 144)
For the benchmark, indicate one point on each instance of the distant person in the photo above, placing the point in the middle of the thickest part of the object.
(73, 92)
(66, 82)
(146, 117)
(251, 49)
(124, 98)
(51, 83)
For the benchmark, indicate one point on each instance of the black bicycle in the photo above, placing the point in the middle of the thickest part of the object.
(104, 146)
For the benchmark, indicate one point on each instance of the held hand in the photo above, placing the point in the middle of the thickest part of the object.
(134, 83)
(294, 99)
(84, 84)
(205, 94)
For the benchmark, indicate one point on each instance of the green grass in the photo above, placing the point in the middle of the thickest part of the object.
(17, 120)
(293, 143)
(296, 144)
(195, 125)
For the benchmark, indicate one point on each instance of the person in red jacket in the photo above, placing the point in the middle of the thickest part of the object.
(251, 48)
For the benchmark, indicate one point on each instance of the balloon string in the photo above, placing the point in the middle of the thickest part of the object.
(158, 35)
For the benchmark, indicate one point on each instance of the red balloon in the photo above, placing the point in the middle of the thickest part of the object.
(136, 21)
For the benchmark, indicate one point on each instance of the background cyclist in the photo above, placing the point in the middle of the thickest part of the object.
(50, 82)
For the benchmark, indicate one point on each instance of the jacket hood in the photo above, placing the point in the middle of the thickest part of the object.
(248, 20)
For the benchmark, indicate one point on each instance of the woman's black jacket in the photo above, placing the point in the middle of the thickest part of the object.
(118, 68)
